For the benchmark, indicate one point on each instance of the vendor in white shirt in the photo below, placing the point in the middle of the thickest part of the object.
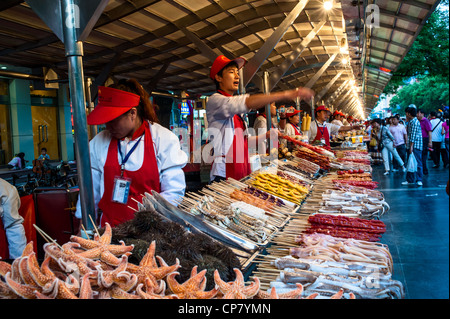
(133, 155)
(260, 125)
(227, 129)
(292, 127)
(321, 130)
(338, 117)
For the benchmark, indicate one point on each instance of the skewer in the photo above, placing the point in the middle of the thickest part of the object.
(85, 232)
(95, 227)
(133, 209)
(46, 237)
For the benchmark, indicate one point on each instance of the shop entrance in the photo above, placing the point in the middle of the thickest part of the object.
(5, 136)
(45, 130)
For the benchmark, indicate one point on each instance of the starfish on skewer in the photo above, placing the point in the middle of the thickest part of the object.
(148, 267)
(237, 289)
(101, 247)
(193, 288)
(294, 294)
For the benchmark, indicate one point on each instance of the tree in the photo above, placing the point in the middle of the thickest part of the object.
(427, 92)
(429, 54)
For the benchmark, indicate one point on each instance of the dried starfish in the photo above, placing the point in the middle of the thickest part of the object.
(193, 288)
(6, 292)
(119, 276)
(24, 291)
(101, 248)
(49, 282)
(116, 293)
(4, 268)
(149, 292)
(294, 294)
(86, 288)
(66, 258)
(148, 268)
(237, 289)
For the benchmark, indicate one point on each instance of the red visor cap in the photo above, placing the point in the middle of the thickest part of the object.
(112, 103)
(322, 108)
(293, 113)
(222, 61)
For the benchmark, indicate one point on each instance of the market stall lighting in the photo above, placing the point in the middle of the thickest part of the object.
(328, 5)
(344, 61)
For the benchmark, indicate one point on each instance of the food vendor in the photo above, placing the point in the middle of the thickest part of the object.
(260, 125)
(292, 127)
(229, 153)
(338, 117)
(321, 130)
(133, 155)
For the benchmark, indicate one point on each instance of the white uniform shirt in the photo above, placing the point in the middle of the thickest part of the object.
(260, 127)
(290, 130)
(169, 157)
(12, 221)
(333, 129)
(220, 111)
(337, 122)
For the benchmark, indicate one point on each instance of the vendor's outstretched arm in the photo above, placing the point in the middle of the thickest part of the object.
(349, 128)
(257, 101)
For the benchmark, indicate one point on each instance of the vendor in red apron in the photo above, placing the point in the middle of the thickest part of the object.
(227, 130)
(133, 155)
(292, 127)
(321, 130)
(260, 125)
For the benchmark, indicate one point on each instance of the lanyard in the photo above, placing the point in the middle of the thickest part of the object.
(127, 157)
(321, 131)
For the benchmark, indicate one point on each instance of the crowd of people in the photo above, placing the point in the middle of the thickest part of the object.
(409, 145)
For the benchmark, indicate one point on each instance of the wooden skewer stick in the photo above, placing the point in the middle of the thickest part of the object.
(133, 209)
(95, 227)
(46, 236)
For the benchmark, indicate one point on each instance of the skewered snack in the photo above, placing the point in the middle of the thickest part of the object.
(307, 166)
(354, 175)
(315, 149)
(291, 178)
(322, 161)
(355, 160)
(355, 182)
(280, 187)
(264, 196)
(240, 217)
(252, 200)
(326, 247)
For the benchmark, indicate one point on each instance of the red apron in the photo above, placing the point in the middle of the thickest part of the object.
(237, 160)
(322, 133)
(296, 129)
(144, 180)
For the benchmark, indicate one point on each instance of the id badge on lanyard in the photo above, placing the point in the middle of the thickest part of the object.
(121, 190)
(122, 185)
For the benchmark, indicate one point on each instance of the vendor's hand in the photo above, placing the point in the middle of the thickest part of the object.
(304, 93)
(275, 133)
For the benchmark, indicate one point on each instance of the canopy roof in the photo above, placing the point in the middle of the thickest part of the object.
(168, 45)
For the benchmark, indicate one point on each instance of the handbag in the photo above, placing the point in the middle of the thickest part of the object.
(411, 167)
(373, 142)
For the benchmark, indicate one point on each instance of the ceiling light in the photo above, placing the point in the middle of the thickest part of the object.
(328, 5)
(344, 61)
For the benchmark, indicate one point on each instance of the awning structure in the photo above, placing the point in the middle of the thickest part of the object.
(168, 45)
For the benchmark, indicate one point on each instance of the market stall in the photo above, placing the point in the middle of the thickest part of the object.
(307, 226)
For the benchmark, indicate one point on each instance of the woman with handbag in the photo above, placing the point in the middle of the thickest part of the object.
(386, 145)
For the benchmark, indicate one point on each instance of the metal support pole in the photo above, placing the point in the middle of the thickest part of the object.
(268, 108)
(74, 54)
